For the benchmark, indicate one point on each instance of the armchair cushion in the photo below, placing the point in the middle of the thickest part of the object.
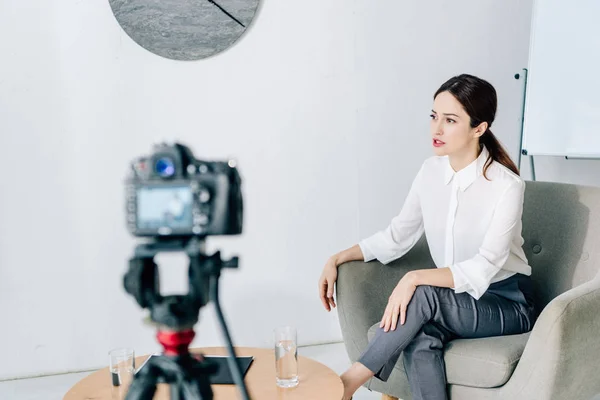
(483, 362)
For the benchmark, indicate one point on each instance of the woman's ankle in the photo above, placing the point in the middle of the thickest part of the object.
(354, 378)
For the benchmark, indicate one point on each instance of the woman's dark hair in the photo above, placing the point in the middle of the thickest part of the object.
(478, 98)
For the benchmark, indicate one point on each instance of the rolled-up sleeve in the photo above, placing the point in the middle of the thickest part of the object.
(402, 233)
(475, 274)
(367, 254)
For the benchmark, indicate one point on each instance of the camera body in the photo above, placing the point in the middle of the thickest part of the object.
(171, 194)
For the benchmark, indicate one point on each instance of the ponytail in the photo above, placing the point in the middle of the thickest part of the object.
(497, 153)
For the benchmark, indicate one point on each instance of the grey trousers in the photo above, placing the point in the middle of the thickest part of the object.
(436, 316)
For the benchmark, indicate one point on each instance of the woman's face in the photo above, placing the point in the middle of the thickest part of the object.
(451, 127)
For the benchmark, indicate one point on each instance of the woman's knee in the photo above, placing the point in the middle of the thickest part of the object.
(429, 338)
(424, 292)
(424, 300)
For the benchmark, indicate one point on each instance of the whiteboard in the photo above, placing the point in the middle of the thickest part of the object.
(562, 107)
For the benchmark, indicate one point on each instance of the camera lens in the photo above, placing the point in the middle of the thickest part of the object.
(165, 167)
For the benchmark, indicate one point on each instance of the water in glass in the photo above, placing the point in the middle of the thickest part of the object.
(286, 361)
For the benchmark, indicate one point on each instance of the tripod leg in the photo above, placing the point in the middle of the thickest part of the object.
(191, 390)
(142, 388)
(234, 366)
(174, 389)
(201, 387)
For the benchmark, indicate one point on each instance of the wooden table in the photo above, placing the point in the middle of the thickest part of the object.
(317, 382)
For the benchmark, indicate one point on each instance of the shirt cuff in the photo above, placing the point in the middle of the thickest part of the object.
(367, 254)
(461, 284)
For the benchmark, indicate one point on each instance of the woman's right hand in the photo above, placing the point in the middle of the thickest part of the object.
(327, 282)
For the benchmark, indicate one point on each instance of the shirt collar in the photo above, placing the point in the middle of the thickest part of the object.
(469, 174)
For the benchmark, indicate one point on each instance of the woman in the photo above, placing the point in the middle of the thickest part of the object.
(468, 199)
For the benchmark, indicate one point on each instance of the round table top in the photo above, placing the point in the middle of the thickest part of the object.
(317, 382)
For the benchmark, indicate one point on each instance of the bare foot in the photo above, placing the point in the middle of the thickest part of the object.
(354, 378)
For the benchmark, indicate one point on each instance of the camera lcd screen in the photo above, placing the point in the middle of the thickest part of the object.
(164, 207)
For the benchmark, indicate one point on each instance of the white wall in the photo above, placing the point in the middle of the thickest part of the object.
(324, 104)
(404, 53)
(80, 99)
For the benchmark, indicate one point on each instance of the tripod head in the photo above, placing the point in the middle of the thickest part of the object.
(176, 312)
(175, 316)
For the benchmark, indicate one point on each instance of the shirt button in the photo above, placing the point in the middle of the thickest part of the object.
(537, 249)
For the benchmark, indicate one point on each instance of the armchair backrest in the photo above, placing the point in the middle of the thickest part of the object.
(561, 229)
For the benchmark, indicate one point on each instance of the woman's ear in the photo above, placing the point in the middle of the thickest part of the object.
(480, 129)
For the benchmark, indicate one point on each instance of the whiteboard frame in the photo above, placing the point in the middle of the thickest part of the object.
(523, 149)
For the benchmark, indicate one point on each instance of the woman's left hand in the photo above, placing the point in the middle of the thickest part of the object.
(398, 302)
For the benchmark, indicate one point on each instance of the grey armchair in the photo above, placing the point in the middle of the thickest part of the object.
(558, 359)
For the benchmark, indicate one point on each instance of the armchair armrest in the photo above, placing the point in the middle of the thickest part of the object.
(363, 289)
(562, 357)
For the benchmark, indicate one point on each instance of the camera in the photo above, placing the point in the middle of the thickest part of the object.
(177, 201)
(171, 194)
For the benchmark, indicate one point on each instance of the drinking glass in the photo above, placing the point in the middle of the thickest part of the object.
(286, 357)
(122, 367)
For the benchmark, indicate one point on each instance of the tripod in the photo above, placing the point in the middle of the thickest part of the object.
(188, 375)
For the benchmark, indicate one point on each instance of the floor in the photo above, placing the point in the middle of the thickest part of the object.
(54, 387)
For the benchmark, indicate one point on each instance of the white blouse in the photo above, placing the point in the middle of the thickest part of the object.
(473, 225)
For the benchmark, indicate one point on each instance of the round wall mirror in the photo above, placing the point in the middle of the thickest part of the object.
(185, 29)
